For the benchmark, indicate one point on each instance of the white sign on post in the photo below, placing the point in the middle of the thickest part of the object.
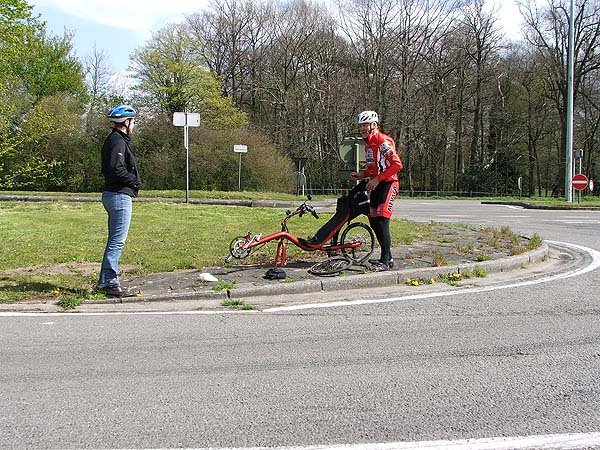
(240, 149)
(179, 119)
(193, 119)
(185, 120)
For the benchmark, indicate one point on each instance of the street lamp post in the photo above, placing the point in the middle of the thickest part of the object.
(569, 137)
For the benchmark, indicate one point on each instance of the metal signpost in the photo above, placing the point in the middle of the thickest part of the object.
(299, 176)
(240, 149)
(185, 120)
(579, 182)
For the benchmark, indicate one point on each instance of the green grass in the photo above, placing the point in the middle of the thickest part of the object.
(223, 285)
(238, 304)
(163, 237)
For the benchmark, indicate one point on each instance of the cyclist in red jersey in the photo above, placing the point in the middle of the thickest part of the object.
(383, 165)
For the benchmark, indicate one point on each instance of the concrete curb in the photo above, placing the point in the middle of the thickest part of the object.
(530, 206)
(194, 201)
(361, 281)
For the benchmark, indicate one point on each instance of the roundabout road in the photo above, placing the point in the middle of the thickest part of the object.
(445, 371)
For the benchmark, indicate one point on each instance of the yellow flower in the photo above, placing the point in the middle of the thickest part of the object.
(415, 282)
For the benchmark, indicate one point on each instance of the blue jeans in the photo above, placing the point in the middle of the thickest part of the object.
(119, 207)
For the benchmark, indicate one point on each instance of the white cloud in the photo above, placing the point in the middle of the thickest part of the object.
(141, 16)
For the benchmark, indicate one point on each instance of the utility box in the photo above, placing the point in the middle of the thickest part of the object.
(352, 153)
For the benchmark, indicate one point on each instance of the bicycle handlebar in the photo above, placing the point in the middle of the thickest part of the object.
(304, 208)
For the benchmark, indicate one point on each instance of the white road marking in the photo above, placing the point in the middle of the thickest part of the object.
(594, 264)
(549, 441)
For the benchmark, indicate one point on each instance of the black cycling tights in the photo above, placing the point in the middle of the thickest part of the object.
(381, 227)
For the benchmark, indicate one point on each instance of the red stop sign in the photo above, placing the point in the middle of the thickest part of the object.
(580, 182)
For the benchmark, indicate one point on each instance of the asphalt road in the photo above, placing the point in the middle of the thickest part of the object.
(513, 362)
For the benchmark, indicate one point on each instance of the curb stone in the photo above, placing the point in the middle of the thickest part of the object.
(360, 281)
(545, 207)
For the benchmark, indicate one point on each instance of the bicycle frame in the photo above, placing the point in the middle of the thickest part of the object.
(284, 235)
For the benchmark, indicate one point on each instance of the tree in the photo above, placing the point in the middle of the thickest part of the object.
(50, 67)
(547, 30)
(172, 78)
(98, 75)
(17, 28)
(33, 66)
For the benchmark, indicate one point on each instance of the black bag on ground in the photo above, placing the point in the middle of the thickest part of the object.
(275, 273)
(348, 207)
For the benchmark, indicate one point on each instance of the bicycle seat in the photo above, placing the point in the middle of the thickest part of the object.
(310, 242)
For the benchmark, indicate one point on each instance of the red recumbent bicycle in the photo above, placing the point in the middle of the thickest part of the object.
(356, 243)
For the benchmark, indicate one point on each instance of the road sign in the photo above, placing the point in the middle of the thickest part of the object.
(240, 148)
(580, 182)
(186, 119)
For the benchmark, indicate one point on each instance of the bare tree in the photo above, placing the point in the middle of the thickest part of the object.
(392, 41)
(98, 74)
(547, 30)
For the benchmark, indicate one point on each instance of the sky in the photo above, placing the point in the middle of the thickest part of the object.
(118, 28)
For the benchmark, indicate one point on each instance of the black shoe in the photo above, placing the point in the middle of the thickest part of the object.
(118, 291)
(378, 266)
(376, 262)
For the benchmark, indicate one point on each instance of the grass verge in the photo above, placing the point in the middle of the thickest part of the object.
(52, 250)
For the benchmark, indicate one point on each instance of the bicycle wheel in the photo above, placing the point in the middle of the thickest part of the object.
(235, 248)
(361, 233)
(330, 266)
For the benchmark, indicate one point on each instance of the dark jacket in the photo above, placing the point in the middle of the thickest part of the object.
(118, 165)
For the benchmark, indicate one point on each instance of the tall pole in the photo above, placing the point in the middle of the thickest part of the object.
(569, 143)
(240, 175)
(186, 143)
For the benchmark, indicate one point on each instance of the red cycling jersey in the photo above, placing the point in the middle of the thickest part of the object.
(382, 159)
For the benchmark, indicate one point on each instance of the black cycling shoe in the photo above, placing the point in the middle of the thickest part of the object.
(378, 266)
(118, 291)
(376, 262)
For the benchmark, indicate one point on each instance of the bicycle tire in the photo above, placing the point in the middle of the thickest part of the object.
(330, 266)
(235, 249)
(362, 233)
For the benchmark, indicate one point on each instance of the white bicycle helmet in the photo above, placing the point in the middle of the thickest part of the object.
(367, 117)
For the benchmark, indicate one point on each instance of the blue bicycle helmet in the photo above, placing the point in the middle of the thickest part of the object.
(121, 113)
